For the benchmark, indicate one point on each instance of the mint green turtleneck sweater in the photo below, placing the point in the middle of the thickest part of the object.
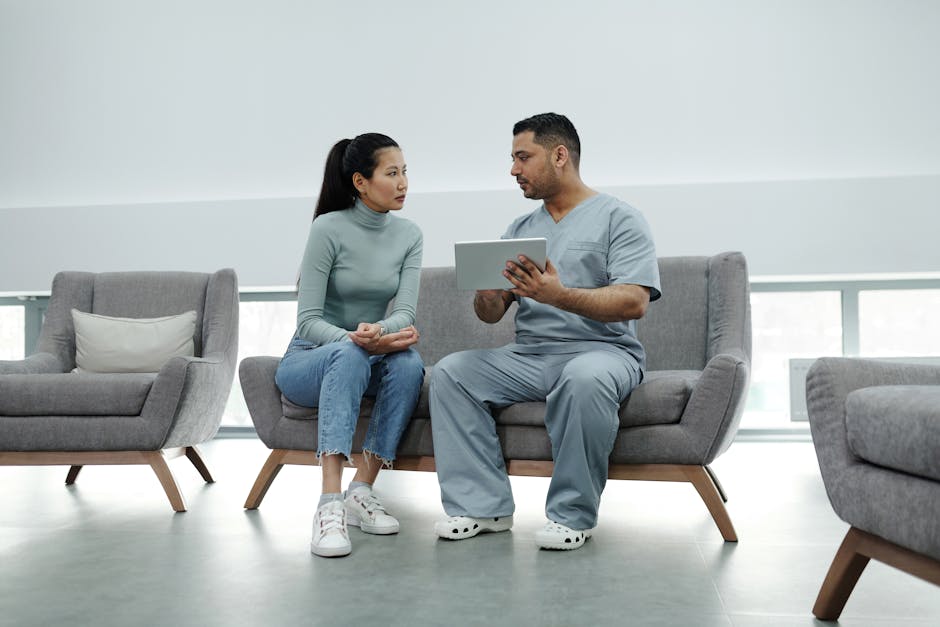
(356, 262)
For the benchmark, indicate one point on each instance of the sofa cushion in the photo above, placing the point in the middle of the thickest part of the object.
(896, 426)
(299, 412)
(74, 394)
(295, 411)
(660, 399)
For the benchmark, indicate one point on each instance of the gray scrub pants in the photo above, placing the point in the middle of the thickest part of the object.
(582, 392)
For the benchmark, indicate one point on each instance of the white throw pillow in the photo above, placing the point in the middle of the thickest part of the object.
(108, 344)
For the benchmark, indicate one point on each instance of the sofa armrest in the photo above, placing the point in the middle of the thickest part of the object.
(39, 363)
(729, 306)
(894, 505)
(829, 382)
(262, 395)
(189, 396)
(716, 404)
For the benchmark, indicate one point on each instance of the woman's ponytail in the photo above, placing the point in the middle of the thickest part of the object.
(337, 191)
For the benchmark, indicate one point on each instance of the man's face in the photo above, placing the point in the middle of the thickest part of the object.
(532, 167)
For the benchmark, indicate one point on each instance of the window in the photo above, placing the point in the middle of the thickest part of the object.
(787, 325)
(789, 320)
(264, 328)
(12, 331)
(899, 323)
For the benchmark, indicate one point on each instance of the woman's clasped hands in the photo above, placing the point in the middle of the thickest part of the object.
(371, 338)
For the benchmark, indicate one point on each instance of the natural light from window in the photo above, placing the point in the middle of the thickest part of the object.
(12, 331)
(787, 325)
(899, 323)
(264, 328)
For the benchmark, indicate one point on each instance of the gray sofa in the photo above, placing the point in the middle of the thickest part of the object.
(682, 416)
(876, 428)
(52, 416)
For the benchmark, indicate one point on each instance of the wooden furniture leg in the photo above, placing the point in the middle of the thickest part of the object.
(272, 466)
(192, 453)
(857, 549)
(157, 461)
(73, 475)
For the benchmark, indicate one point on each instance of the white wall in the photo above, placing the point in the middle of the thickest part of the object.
(183, 134)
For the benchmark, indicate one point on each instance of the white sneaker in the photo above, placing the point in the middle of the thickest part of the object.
(463, 527)
(559, 537)
(364, 510)
(330, 538)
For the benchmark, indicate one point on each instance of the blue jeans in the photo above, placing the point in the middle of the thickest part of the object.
(335, 377)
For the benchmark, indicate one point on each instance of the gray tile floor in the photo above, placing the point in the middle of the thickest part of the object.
(110, 551)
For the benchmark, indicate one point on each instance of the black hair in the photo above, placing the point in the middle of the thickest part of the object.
(346, 157)
(550, 130)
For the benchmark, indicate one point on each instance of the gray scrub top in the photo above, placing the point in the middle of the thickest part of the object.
(602, 241)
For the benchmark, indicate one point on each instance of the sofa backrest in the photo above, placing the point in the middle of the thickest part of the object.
(214, 297)
(151, 295)
(675, 328)
(446, 321)
(704, 311)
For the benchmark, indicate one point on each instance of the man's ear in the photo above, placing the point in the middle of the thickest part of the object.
(560, 156)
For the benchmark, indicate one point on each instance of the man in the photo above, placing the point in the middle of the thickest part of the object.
(575, 349)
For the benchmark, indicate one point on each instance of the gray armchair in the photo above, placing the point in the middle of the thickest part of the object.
(50, 415)
(682, 416)
(876, 428)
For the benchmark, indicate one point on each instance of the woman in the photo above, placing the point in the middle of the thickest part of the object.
(359, 257)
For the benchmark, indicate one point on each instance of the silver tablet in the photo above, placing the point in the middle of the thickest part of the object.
(480, 264)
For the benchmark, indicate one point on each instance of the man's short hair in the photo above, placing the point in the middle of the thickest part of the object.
(550, 130)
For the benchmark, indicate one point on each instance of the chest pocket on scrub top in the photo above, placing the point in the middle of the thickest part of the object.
(585, 264)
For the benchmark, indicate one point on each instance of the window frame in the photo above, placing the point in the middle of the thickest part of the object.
(849, 288)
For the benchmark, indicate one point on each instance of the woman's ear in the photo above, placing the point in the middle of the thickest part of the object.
(359, 182)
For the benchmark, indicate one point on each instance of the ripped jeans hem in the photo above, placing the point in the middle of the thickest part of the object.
(346, 456)
(386, 462)
(366, 454)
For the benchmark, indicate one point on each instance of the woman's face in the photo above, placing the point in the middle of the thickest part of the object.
(386, 190)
